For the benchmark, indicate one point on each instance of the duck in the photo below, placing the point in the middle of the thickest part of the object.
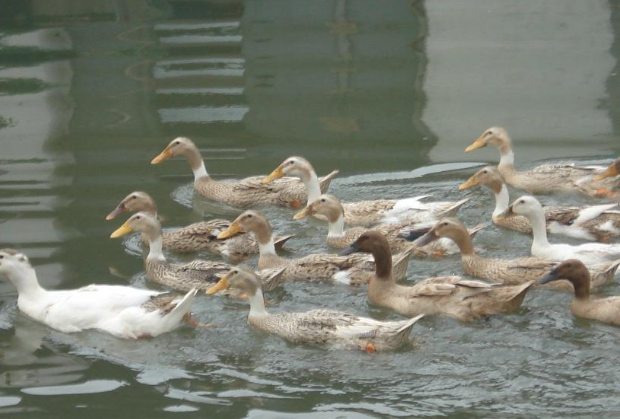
(595, 223)
(201, 236)
(197, 274)
(122, 311)
(337, 329)
(603, 309)
(367, 213)
(452, 296)
(588, 253)
(243, 193)
(612, 188)
(330, 207)
(547, 178)
(349, 270)
(506, 271)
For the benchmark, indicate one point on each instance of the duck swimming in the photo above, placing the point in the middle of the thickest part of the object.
(330, 207)
(547, 178)
(195, 237)
(122, 311)
(462, 299)
(367, 213)
(351, 270)
(588, 253)
(198, 274)
(600, 222)
(506, 271)
(243, 193)
(338, 329)
(603, 309)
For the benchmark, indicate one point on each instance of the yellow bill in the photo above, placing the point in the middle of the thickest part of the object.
(234, 228)
(121, 231)
(222, 284)
(306, 212)
(276, 174)
(470, 183)
(609, 172)
(479, 143)
(163, 156)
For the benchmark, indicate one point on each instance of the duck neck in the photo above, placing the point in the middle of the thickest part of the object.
(257, 304)
(383, 262)
(463, 241)
(502, 200)
(197, 164)
(156, 252)
(266, 245)
(311, 180)
(26, 282)
(539, 229)
(582, 289)
(336, 227)
(506, 161)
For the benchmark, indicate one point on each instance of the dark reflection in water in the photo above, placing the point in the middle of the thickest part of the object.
(91, 91)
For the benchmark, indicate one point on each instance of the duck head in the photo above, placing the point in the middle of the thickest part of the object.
(142, 222)
(574, 271)
(294, 166)
(134, 202)
(495, 136)
(327, 205)
(612, 170)
(249, 221)
(241, 278)
(488, 176)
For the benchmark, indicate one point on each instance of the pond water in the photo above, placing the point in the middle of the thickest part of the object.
(390, 93)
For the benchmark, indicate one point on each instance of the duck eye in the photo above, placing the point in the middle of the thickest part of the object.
(291, 163)
(138, 217)
(323, 200)
(522, 202)
(133, 197)
(1, 256)
(235, 272)
(249, 215)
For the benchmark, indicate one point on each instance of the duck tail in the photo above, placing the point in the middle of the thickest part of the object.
(182, 308)
(280, 241)
(453, 209)
(401, 262)
(325, 181)
(272, 278)
(475, 229)
(408, 324)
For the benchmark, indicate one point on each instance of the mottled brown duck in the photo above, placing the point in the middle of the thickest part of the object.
(322, 327)
(243, 193)
(462, 299)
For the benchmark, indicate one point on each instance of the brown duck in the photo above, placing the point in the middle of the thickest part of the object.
(506, 271)
(243, 193)
(195, 237)
(352, 270)
(465, 300)
(198, 274)
(603, 309)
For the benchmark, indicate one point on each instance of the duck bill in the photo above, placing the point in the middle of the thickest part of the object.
(221, 285)
(234, 228)
(506, 213)
(121, 231)
(479, 143)
(276, 174)
(426, 239)
(551, 276)
(470, 183)
(117, 211)
(306, 212)
(354, 248)
(609, 172)
(163, 156)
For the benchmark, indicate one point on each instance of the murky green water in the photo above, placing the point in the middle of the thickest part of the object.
(388, 92)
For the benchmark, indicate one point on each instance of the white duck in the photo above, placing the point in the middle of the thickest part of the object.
(125, 312)
(588, 253)
(368, 213)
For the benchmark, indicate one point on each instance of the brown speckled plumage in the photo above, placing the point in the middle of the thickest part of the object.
(338, 329)
(465, 300)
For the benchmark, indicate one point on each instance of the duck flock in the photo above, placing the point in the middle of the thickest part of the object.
(376, 240)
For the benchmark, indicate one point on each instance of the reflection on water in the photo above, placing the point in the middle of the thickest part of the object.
(389, 93)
